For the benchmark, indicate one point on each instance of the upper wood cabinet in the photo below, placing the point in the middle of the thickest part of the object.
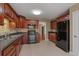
(1, 14)
(12, 25)
(21, 22)
(9, 11)
(63, 17)
(1, 19)
(32, 22)
(6, 11)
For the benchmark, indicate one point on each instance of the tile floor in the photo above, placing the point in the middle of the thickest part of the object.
(44, 48)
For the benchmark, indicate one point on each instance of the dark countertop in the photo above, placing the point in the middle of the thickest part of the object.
(4, 42)
(51, 32)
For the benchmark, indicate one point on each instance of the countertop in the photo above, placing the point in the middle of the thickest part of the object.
(52, 31)
(4, 42)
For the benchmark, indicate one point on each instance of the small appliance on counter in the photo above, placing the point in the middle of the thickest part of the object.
(63, 35)
(31, 34)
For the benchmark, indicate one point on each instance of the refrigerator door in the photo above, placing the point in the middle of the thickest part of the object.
(31, 37)
(63, 35)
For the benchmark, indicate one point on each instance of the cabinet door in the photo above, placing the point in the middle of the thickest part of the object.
(12, 25)
(11, 53)
(17, 47)
(7, 10)
(0, 53)
(14, 16)
(25, 39)
(17, 23)
(52, 37)
(1, 19)
(1, 14)
(24, 23)
(53, 25)
(8, 50)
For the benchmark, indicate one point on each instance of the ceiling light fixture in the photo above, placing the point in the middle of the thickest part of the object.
(36, 12)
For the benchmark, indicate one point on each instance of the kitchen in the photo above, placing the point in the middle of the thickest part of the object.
(17, 30)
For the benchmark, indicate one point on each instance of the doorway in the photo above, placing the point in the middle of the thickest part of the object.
(75, 33)
(43, 35)
(43, 30)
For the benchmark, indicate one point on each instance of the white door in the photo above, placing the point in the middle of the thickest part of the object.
(75, 20)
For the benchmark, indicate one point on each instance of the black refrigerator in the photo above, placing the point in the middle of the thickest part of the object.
(63, 35)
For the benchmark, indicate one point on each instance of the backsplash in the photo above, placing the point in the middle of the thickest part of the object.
(5, 28)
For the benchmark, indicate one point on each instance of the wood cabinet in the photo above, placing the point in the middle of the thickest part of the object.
(1, 14)
(17, 23)
(21, 22)
(12, 25)
(63, 17)
(24, 24)
(18, 46)
(9, 50)
(1, 19)
(35, 22)
(13, 49)
(11, 53)
(53, 25)
(52, 37)
(0, 53)
(6, 11)
(25, 39)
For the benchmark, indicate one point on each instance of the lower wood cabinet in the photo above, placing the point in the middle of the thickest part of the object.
(25, 39)
(8, 50)
(13, 49)
(0, 53)
(18, 46)
(52, 37)
(11, 53)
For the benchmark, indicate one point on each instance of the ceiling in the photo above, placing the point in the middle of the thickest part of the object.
(49, 10)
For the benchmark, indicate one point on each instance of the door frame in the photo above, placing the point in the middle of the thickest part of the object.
(45, 29)
(74, 33)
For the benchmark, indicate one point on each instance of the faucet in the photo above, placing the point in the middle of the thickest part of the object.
(6, 36)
